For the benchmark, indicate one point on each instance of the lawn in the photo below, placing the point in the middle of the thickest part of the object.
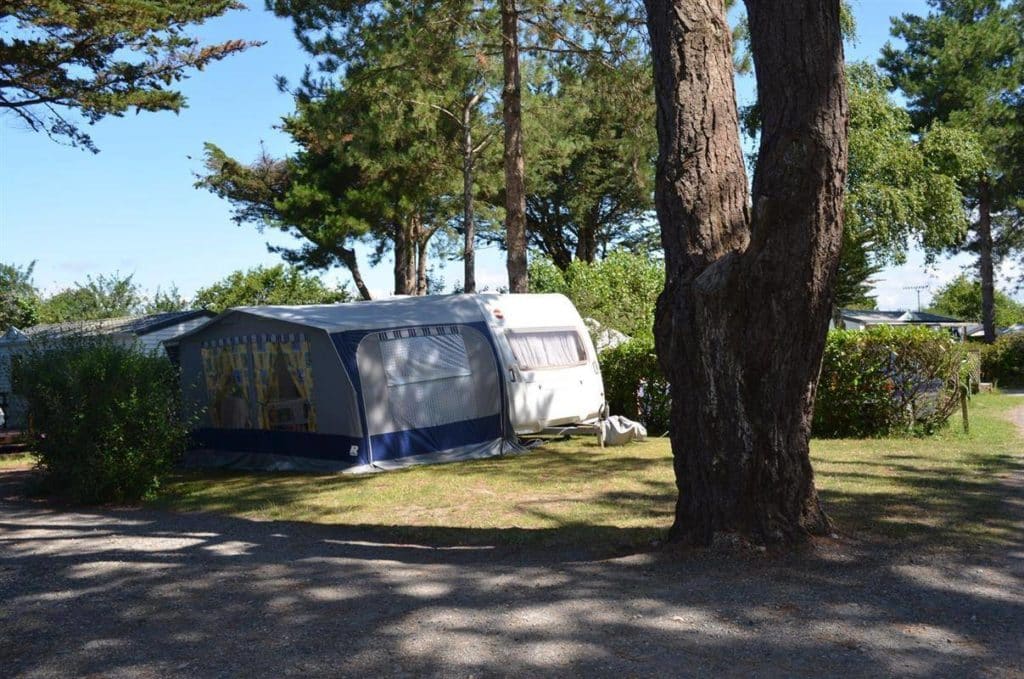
(940, 491)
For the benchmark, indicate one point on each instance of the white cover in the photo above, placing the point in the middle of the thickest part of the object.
(618, 431)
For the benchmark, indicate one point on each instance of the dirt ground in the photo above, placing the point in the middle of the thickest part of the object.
(145, 593)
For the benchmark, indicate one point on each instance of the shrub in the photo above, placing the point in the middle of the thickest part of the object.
(104, 418)
(887, 380)
(634, 385)
(1003, 361)
(618, 291)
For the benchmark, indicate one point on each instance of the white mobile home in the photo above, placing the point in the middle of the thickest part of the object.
(381, 384)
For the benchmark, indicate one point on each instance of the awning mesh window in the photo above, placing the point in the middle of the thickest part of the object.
(547, 348)
(410, 360)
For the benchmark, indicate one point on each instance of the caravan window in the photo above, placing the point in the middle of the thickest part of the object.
(547, 348)
(424, 358)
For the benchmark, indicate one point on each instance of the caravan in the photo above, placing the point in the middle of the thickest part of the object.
(377, 385)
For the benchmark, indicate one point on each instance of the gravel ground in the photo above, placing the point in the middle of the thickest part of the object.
(145, 593)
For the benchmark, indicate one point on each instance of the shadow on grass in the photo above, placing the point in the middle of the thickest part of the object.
(959, 503)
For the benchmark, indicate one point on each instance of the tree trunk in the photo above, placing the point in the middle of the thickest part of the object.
(421, 260)
(988, 289)
(348, 258)
(405, 258)
(512, 113)
(468, 249)
(740, 327)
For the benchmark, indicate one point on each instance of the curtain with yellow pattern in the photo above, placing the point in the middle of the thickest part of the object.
(295, 349)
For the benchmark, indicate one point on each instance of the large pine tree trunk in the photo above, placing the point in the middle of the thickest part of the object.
(512, 113)
(985, 265)
(741, 324)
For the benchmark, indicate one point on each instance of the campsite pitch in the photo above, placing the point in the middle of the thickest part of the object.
(927, 578)
(939, 491)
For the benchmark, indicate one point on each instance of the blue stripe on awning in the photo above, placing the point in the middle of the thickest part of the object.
(394, 445)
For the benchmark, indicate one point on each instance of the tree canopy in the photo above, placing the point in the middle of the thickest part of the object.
(100, 59)
(278, 284)
(19, 299)
(961, 298)
(962, 66)
(102, 296)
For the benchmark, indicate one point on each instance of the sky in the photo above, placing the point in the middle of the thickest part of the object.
(132, 208)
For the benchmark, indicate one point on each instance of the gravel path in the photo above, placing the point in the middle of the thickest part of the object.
(146, 593)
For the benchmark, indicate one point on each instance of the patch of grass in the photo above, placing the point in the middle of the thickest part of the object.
(948, 489)
(940, 490)
(17, 460)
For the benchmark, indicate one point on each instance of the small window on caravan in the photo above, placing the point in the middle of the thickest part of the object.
(537, 349)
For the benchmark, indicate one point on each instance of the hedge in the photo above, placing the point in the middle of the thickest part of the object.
(105, 419)
(887, 380)
(634, 385)
(1003, 361)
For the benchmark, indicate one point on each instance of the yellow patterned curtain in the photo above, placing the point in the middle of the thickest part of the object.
(262, 363)
(217, 373)
(210, 356)
(241, 374)
(295, 349)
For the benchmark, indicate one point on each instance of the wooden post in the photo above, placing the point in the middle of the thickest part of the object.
(963, 409)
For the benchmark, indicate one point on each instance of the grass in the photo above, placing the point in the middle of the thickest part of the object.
(944, 490)
(16, 460)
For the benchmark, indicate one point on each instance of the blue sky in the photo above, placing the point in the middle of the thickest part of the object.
(132, 207)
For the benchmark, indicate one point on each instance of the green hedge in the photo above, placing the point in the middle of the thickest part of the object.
(105, 419)
(634, 385)
(887, 380)
(1003, 361)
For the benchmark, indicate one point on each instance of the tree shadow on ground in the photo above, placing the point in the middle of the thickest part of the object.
(930, 506)
(137, 592)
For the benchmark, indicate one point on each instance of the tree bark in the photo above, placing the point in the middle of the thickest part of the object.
(512, 114)
(985, 266)
(740, 326)
(405, 258)
(421, 259)
(348, 258)
(468, 227)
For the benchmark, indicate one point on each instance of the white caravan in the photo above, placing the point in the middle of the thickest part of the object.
(551, 371)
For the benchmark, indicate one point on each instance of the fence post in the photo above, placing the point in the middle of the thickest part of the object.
(963, 408)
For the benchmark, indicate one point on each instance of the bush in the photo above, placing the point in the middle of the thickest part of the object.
(104, 418)
(1003, 361)
(634, 385)
(887, 380)
(618, 291)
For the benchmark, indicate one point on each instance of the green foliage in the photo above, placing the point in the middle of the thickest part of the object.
(163, 302)
(100, 58)
(1003, 361)
(961, 298)
(100, 297)
(268, 285)
(887, 380)
(619, 291)
(19, 299)
(900, 188)
(104, 418)
(590, 139)
(634, 385)
(962, 68)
